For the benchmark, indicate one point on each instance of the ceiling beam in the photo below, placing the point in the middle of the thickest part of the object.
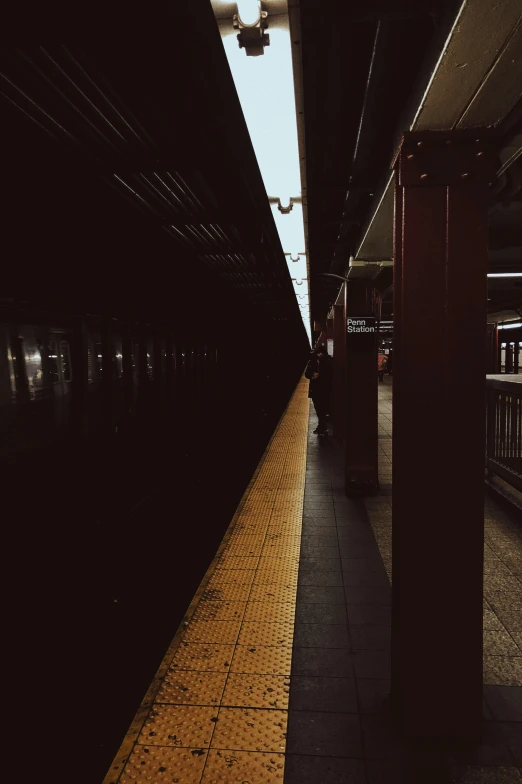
(476, 82)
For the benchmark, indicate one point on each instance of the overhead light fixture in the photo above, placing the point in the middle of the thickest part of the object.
(251, 22)
(249, 12)
(510, 326)
(504, 274)
(285, 211)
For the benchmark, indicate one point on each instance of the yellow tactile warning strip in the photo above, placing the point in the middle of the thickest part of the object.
(217, 709)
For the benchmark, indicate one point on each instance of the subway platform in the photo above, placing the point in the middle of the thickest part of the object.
(280, 670)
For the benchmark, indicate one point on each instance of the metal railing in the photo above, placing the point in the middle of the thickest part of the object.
(504, 429)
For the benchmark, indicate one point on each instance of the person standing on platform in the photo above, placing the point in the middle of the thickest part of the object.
(319, 372)
(382, 361)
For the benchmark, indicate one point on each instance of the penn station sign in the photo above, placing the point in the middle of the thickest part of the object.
(360, 325)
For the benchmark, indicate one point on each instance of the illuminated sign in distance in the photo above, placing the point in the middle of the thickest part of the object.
(360, 324)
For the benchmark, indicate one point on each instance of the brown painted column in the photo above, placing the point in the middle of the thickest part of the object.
(492, 350)
(441, 206)
(339, 371)
(360, 445)
(329, 327)
(509, 357)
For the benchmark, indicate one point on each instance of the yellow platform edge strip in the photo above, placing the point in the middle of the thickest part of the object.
(247, 533)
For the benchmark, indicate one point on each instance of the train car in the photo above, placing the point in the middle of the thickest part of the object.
(89, 377)
(36, 381)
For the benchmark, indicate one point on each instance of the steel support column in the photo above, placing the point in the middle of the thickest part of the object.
(441, 205)
(339, 371)
(492, 350)
(508, 365)
(360, 444)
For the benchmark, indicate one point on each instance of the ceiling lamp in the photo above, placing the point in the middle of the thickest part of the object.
(251, 22)
(286, 210)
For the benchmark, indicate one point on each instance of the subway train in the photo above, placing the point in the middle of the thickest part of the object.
(64, 378)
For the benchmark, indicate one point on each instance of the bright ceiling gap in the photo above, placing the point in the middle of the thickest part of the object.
(265, 87)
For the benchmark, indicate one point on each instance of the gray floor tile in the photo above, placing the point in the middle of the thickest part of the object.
(349, 536)
(316, 594)
(375, 579)
(359, 550)
(324, 734)
(311, 523)
(321, 635)
(475, 774)
(374, 694)
(326, 662)
(495, 748)
(503, 670)
(509, 601)
(498, 642)
(389, 772)
(368, 594)
(316, 693)
(320, 613)
(327, 527)
(371, 637)
(383, 742)
(313, 551)
(511, 619)
(319, 564)
(323, 539)
(363, 565)
(327, 579)
(505, 702)
(371, 664)
(361, 614)
(307, 769)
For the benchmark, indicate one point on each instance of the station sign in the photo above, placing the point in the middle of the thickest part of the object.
(360, 325)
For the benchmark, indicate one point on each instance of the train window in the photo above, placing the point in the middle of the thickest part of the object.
(19, 360)
(91, 367)
(12, 375)
(117, 357)
(34, 370)
(98, 357)
(163, 358)
(150, 360)
(182, 360)
(135, 357)
(52, 355)
(65, 356)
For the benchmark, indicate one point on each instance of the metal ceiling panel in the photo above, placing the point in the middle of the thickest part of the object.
(482, 31)
(501, 88)
(74, 101)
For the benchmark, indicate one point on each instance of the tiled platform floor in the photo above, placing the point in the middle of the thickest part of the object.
(217, 710)
(339, 728)
(281, 670)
